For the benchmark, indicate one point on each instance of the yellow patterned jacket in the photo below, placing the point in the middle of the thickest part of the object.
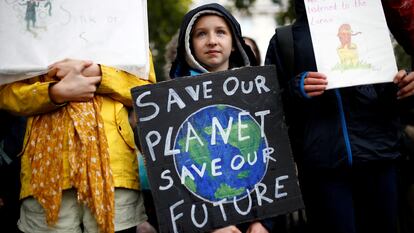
(31, 97)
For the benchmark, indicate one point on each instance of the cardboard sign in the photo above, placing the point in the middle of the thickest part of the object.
(351, 41)
(216, 149)
(37, 33)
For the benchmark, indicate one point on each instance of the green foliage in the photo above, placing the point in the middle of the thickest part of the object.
(344, 67)
(403, 59)
(243, 4)
(287, 16)
(164, 19)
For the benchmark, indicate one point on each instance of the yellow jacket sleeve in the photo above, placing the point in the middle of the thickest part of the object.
(27, 98)
(117, 84)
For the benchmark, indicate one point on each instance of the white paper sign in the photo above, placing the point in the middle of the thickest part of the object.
(36, 33)
(351, 41)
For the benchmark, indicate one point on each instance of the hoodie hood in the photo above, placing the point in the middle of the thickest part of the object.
(185, 60)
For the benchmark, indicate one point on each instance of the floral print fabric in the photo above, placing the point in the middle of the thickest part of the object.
(76, 129)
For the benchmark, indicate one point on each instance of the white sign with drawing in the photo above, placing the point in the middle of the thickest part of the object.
(351, 41)
(36, 33)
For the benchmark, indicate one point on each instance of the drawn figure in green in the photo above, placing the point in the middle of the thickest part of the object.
(48, 4)
(30, 16)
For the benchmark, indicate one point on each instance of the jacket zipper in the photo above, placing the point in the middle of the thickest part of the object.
(344, 127)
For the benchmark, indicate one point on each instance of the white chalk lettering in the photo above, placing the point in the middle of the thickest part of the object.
(220, 204)
(262, 114)
(151, 143)
(173, 98)
(174, 218)
(167, 149)
(165, 176)
(185, 173)
(199, 225)
(194, 94)
(242, 126)
(266, 154)
(215, 167)
(249, 89)
(191, 130)
(255, 158)
(260, 194)
(224, 134)
(260, 84)
(203, 169)
(154, 105)
(249, 206)
(233, 161)
(207, 89)
(278, 186)
(226, 88)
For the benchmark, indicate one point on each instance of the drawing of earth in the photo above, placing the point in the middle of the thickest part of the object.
(237, 165)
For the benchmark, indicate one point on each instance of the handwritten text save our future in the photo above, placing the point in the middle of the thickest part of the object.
(163, 141)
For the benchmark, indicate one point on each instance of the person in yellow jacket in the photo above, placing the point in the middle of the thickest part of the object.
(79, 169)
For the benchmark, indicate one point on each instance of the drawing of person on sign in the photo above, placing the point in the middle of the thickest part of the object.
(33, 9)
(30, 17)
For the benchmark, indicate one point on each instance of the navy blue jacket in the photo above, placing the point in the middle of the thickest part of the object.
(342, 126)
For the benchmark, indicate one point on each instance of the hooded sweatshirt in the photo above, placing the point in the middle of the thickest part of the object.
(186, 64)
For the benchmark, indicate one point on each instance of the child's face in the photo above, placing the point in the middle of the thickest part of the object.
(212, 42)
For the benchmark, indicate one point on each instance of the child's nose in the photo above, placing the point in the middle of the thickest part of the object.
(212, 40)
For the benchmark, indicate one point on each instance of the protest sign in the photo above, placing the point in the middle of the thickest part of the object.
(216, 149)
(351, 41)
(37, 33)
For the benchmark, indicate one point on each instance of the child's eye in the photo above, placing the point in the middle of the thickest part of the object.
(201, 34)
(221, 32)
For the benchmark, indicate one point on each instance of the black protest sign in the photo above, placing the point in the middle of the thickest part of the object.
(216, 148)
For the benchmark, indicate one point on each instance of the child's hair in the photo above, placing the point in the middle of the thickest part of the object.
(185, 61)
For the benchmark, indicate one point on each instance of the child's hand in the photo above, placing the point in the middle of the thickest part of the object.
(73, 86)
(405, 83)
(229, 229)
(61, 68)
(256, 227)
(315, 84)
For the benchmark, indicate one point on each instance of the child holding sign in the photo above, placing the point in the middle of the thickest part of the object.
(210, 40)
(79, 165)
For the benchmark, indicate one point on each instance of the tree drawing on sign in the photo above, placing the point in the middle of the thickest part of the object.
(348, 51)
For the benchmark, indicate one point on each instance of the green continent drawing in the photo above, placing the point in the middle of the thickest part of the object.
(230, 167)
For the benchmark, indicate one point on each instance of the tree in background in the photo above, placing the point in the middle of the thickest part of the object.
(164, 19)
